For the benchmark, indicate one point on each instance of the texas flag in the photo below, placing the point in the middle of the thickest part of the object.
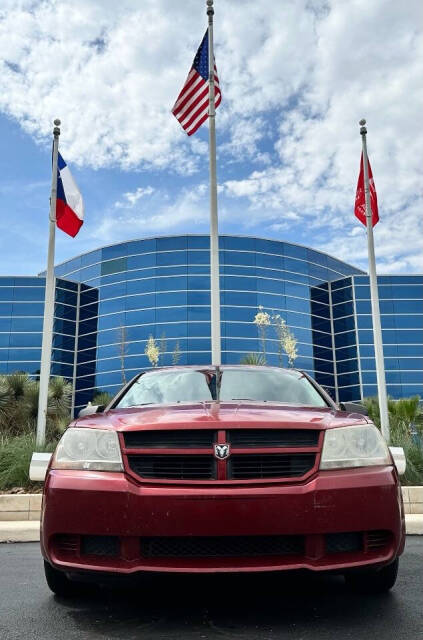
(69, 203)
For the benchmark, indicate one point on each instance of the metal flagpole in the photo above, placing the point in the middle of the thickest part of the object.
(374, 295)
(49, 300)
(214, 237)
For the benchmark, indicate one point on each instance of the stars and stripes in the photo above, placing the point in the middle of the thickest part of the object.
(191, 108)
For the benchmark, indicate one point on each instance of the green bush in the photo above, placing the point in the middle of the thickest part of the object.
(15, 457)
(406, 430)
(19, 405)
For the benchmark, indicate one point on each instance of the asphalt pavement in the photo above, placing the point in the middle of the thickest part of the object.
(250, 607)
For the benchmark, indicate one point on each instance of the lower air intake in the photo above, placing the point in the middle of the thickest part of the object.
(100, 545)
(344, 542)
(221, 546)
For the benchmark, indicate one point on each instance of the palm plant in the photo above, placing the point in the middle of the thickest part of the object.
(102, 398)
(19, 404)
(257, 359)
(405, 422)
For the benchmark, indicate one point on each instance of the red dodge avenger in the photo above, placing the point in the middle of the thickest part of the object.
(224, 469)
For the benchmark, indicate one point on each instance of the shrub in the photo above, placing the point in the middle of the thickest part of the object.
(405, 423)
(15, 458)
(19, 405)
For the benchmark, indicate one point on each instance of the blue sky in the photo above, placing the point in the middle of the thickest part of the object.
(296, 77)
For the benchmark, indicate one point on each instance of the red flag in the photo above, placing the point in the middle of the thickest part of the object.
(360, 203)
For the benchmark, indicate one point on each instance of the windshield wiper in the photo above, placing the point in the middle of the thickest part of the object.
(131, 406)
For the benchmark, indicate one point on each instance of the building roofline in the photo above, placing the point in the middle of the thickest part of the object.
(221, 235)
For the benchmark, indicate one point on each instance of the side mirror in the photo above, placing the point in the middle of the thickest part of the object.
(352, 407)
(90, 409)
(38, 466)
(398, 456)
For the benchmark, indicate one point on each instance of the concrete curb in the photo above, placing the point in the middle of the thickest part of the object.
(24, 531)
(20, 506)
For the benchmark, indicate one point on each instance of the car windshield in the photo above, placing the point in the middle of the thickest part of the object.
(260, 384)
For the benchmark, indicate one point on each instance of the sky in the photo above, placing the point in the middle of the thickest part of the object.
(296, 77)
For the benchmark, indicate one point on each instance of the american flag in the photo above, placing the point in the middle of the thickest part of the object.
(192, 105)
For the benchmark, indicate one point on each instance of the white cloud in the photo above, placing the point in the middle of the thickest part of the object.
(157, 215)
(296, 77)
(130, 198)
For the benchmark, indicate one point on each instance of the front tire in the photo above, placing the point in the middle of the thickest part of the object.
(60, 584)
(373, 580)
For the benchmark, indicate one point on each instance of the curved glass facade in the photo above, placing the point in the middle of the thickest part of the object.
(111, 300)
(161, 287)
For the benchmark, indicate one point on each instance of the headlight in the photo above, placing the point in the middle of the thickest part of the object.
(359, 446)
(89, 449)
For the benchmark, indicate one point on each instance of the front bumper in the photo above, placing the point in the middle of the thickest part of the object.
(78, 504)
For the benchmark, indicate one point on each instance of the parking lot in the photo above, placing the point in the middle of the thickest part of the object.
(237, 606)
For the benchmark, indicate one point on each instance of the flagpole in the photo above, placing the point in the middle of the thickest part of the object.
(214, 234)
(374, 296)
(49, 300)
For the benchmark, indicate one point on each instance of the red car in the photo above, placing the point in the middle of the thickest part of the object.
(221, 470)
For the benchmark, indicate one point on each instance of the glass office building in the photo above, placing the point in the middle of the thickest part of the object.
(160, 287)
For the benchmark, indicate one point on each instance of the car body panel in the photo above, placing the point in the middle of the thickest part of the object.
(131, 509)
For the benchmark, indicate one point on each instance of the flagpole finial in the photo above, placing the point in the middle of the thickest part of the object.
(210, 10)
(56, 130)
(363, 129)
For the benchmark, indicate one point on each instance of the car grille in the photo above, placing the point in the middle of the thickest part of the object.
(173, 467)
(245, 467)
(221, 546)
(167, 439)
(188, 454)
(273, 438)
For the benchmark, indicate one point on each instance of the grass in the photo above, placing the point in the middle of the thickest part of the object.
(15, 457)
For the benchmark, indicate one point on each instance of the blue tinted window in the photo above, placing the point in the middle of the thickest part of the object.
(26, 324)
(27, 309)
(198, 257)
(90, 272)
(198, 242)
(64, 311)
(111, 266)
(5, 324)
(172, 314)
(296, 266)
(91, 258)
(173, 283)
(25, 339)
(269, 261)
(172, 258)
(141, 301)
(295, 251)
(341, 295)
(172, 243)
(59, 355)
(6, 294)
(21, 355)
(143, 316)
(115, 251)
(344, 324)
(347, 394)
(141, 261)
(345, 339)
(176, 298)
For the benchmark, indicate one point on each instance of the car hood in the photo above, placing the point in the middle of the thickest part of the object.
(214, 415)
